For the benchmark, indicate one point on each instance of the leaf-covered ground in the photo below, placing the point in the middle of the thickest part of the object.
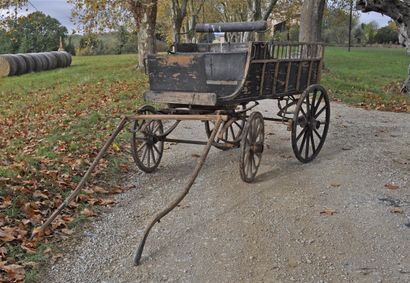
(53, 123)
(51, 126)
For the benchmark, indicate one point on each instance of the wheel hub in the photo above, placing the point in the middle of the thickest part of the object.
(257, 148)
(151, 140)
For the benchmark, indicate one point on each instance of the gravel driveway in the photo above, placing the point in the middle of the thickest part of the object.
(331, 220)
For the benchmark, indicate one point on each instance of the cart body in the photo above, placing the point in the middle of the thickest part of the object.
(232, 73)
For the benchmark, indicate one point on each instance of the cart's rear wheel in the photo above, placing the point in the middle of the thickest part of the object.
(310, 123)
(146, 148)
(232, 131)
(252, 147)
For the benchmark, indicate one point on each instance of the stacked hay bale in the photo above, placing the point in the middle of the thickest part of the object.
(18, 64)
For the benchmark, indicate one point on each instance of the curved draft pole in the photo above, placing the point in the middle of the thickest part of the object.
(182, 195)
(80, 185)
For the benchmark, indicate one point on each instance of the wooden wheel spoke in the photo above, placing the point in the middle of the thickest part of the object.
(303, 144)
(312, 139)
(238, 124)
(301, 133)
(317, 134)
(307, 144)
(318, 102)
(149, 156)
(232, 132)
(303, 111)
(153, 155)
(321, 111)
(144, 154)
(253, 163)
(141, 146)
(156, 149)
(307, 105)
(312, 110)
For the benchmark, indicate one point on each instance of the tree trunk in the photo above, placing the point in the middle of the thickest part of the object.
(178, 16)
(256, 14)
(145, 15)
(311, 20)
(399, 11)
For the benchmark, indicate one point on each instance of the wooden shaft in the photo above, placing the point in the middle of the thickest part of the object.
(80, 185)
(181, 196)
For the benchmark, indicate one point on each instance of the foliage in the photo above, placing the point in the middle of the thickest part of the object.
(370, 31)
(336, 25)
(387, 34)
(35, 32)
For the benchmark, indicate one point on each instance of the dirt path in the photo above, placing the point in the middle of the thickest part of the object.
(269, 231)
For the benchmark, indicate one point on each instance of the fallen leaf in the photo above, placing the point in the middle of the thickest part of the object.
(195, 155)
(99, 190)
(6, 236)
(67, 231)
(87, 212)
(38, 231)
(117, 190)
(116, 147)
(6, 202)
(396, 210)
(105, 202)
(40, 195)
(328, 211)
(391, 186)
(14, 271)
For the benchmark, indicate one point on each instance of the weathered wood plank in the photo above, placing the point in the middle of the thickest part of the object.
(177, 97)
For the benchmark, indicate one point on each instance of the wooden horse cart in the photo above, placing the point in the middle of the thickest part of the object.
(221, 85)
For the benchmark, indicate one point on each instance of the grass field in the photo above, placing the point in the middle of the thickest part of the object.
(368, 77)
(53, 123)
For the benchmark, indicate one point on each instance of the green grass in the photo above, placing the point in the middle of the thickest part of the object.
(370, 76)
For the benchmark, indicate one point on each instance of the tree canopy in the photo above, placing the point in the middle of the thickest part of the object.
(35, 32)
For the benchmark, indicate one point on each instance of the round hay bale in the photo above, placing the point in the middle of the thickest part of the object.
(4, 67)
(12, 64)
(44, 60)
(38, 63)
(61, 59)
(68, 58)
(21, 65)
(52, 61)
(30, 64)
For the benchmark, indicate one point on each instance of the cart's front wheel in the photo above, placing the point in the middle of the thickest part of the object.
(231, 131)
(252, 147)
(310, 123)
(146, 147)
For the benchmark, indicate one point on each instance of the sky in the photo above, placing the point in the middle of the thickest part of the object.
(60, 10)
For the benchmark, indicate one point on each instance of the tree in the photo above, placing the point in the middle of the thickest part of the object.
(288, 11)
(399, 11)
(179, 12)
(259, 10)
(35, 32)
(335, 27)
(311, 20)
(108, 14)
(387, 34)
